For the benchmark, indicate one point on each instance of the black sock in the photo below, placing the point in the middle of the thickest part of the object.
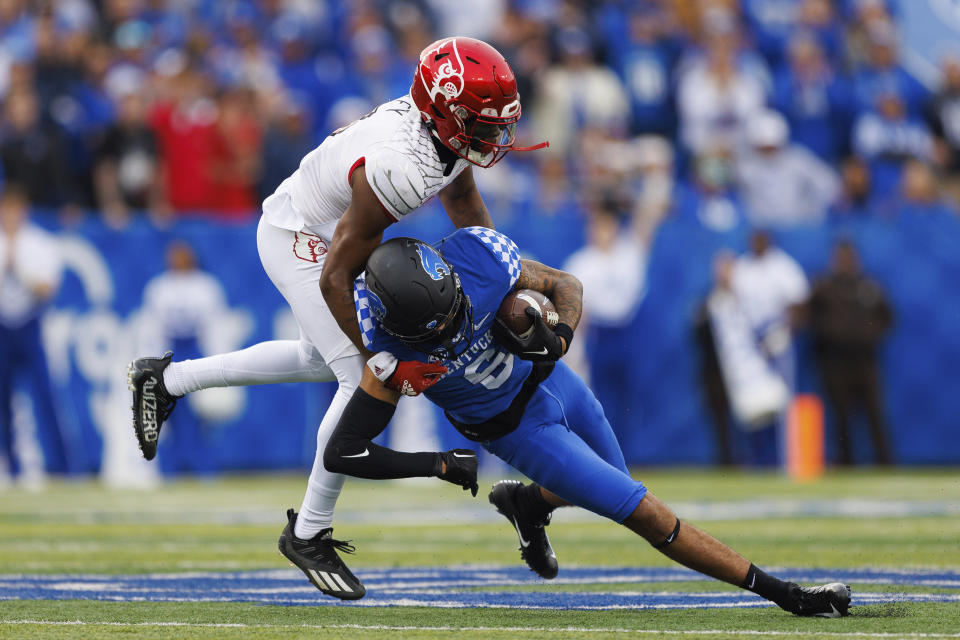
(766, 586)
(531, 501)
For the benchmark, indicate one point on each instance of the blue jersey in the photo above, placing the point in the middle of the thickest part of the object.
(482, 381)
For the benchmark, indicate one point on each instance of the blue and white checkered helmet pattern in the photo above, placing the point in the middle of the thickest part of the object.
(365, 313)
(502, 247)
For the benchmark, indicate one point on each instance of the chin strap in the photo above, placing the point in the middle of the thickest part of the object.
(542, 145)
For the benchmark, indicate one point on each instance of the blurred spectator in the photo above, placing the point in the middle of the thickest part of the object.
(33, 153)
(783, 184)
(478, 19)
(883, 74)
(887, 138)
(770, 286)
(819, 19)
(771, 22)
(710, 198)
(187, 306)
(855, 199)
(849, 316)
(711, 373)
(576, 94)
(384, 74)
(774, 22)
(286, 141)
(644, 57)
(30, 272)
(127, 169)
(921, 199)
(314, 79)
(79, 109)
(945, 115)
(235, 155)
(718, 92)
(183, 122)
(612, 268)
(814, 100)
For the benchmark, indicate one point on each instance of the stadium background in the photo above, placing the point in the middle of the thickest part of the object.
(273, 78)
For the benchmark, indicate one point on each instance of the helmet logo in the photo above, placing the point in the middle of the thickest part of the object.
(448, 77)
(432, 263)
(376, 305)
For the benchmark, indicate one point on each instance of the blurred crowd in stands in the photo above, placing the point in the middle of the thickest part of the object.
(781, 112)
(729, 114)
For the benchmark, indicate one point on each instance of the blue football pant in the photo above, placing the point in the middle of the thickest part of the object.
(565, 444)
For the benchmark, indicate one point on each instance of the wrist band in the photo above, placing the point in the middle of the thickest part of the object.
(565, 332)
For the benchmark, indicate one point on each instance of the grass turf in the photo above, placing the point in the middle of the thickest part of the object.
(233, 524)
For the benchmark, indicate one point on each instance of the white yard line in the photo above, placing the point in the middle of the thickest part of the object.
(377, 627)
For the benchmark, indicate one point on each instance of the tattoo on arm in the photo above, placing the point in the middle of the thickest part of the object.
(563, 289)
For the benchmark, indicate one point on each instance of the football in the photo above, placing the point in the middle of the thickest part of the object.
(512, 310)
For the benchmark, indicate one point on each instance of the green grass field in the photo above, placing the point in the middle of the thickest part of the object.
(897, 520)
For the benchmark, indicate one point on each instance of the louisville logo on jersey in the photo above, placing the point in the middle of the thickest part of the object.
(308, 246)
(432, 263)
(444, 66)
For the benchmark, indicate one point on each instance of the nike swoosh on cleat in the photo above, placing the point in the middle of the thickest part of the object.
(456, 455)
(542, 352)
(365, 453)
(833, 613)
(523, 543)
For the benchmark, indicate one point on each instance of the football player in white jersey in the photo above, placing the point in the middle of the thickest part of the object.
(318, 228)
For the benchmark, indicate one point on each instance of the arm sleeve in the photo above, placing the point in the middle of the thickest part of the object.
(350, 450)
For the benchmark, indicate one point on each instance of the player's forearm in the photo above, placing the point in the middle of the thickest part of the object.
(463, 203)
(337, 291)
(563, 289)
(348, 252)
(567, 298)
(472, 213)
(350, 450)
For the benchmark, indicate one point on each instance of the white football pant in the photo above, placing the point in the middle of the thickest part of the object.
(322, 354)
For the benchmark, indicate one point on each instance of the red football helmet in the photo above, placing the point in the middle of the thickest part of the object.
(466, 89)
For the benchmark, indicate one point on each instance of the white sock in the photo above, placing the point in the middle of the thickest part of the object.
(323, 488)
(264, 363)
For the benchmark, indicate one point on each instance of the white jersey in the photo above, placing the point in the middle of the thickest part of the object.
(36, 261)
(396, 151)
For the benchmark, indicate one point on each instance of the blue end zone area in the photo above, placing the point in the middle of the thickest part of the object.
(461, 587)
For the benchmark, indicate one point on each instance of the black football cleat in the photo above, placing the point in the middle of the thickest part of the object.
(318, 559)
(828, 601)
(152, 403)
(535, 546)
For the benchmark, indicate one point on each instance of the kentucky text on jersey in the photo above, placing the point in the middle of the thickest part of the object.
(484, 379)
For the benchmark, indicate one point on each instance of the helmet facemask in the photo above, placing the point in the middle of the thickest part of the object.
(483, 139)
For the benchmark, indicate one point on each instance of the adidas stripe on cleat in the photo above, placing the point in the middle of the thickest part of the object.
(152, 404)
(319, 561)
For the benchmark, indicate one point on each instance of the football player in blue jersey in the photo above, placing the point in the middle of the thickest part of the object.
(517, 398)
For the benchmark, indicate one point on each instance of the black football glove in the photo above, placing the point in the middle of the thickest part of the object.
(461, 468)
(541, 345)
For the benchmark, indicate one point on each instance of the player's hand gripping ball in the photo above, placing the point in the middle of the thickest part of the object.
(524, 326)
(513, 311)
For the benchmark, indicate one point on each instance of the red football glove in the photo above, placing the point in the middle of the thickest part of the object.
(410, 377)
